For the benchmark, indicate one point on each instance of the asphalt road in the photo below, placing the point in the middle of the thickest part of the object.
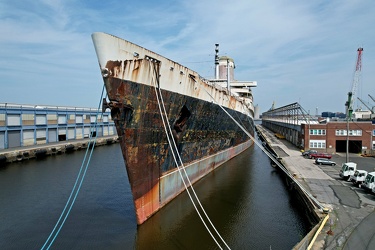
(356, 207)
(352, 217)
(364, 163)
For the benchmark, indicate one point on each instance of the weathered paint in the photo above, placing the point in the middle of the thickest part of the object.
(171, 184)
(147, 205)
(205, 136)
(127, 61)
(146, 150)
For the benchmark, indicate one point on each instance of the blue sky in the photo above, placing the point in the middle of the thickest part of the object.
(298, 51)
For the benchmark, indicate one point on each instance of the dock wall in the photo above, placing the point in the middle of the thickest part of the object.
(41, 151)
(312, 214)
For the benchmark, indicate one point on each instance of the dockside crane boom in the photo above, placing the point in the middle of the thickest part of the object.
(372, 98)
(371, 109)
(350, 102)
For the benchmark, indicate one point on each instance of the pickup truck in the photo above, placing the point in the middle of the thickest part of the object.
(320, 155)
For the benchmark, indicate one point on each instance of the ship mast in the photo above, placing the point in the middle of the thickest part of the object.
(228, 78)
(217, 61)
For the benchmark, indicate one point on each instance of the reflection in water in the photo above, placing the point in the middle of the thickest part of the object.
(245, 199)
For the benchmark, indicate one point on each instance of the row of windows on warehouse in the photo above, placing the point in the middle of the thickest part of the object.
(25, 125)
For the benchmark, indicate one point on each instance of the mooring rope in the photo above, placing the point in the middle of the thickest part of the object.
(174, 147)
(74, 191)
(269, 155)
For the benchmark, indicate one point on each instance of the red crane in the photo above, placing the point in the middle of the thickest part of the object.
(349, 104)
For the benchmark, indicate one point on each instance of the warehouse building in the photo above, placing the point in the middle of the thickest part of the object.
(294, 124)
(27, 125)
(333, 136)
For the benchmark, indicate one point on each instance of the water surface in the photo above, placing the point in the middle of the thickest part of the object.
(245, 198)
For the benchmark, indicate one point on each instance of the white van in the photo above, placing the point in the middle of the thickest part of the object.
(348, 169)
(369, 184)
(358, 177)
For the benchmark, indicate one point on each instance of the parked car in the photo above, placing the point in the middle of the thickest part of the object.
(320, 155)
(324, 161)
(308, 152)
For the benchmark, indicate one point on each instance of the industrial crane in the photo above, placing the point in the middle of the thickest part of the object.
(350, 102)
(372, 98)
(371, 109)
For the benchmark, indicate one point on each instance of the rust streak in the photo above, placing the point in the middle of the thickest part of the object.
(114, 67)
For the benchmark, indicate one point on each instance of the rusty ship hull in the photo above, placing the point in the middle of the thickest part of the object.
(142, 86)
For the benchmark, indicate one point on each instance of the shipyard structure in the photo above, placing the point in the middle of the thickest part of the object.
(31, 125)
(292, 122)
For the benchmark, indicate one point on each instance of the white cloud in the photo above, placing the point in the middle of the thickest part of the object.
(302, 50)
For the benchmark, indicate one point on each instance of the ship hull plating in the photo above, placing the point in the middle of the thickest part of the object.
(209, 138)
(143, 87)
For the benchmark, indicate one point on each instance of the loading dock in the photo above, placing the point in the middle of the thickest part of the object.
(354, 146)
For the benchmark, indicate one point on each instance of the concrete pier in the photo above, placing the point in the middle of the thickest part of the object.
(351, 217)
(44, 150)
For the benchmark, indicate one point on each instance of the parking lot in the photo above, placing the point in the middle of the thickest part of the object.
(364, 163)
(351, 216)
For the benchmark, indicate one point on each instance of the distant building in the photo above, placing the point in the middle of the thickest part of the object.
(362, 114)
(326, 134)
(26, 125)
(256, 112)
(332, 115)
(331, 136)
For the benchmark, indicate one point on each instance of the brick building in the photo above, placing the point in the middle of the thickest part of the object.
(331, 137)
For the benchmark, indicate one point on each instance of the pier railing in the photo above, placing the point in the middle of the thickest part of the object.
(44, 107)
